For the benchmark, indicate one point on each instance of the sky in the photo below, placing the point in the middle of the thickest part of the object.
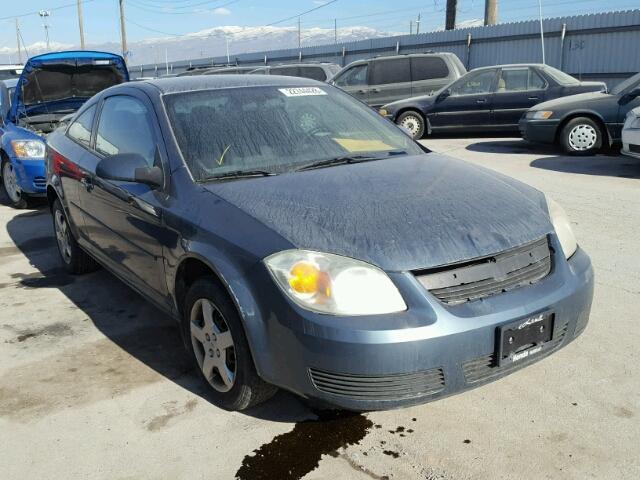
(160, 18)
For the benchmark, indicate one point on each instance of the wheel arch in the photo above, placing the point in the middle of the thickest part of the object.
(193, 266)
(596, 117)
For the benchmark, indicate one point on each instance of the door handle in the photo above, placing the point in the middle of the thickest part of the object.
(533, 98)
(482, 100)
(375, 90)
(362, 91)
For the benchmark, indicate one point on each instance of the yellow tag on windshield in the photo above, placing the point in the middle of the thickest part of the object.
(353, 145)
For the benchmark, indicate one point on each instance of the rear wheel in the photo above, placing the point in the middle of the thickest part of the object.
(215, 336)
(74, 259)
(413, 122)
(581, 136)
(17, 199)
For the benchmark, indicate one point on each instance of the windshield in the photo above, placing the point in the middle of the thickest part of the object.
(627, 84)
(561, 77)
(276, 129)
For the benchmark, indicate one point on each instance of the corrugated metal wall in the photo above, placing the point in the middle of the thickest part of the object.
(602, 46)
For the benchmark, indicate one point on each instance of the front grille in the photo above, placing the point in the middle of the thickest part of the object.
(379, 387)
(40, 182)
(634, 148)
(486, 367)
(488, 276)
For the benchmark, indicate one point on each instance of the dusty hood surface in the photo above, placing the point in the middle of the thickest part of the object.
(403, 213)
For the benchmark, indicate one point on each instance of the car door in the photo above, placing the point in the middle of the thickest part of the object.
(77, 146)
(124, 219)
(428, 74)
(467, 103)
(389, 80)
(354, 80)
(518, 89)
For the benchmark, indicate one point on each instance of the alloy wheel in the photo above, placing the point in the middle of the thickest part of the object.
(583, 137)
(63, 236)
(213, 345)
(10, 182)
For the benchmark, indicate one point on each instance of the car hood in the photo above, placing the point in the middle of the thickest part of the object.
(579, 100)
(401, 214)
(65, 80)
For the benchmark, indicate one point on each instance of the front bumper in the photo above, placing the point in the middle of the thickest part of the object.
(631, 143)
(428, 352)
(31, 176)
(539, 131)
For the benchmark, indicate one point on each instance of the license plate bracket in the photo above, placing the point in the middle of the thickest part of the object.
(525, 337)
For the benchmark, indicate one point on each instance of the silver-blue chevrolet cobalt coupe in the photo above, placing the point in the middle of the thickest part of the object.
(303, 242)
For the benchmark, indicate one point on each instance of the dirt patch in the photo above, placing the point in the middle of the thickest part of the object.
(53, 330)
(93, 372)
(172, 411)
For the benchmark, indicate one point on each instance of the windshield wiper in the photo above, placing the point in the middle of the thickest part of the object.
(343, 159)
(242, 174)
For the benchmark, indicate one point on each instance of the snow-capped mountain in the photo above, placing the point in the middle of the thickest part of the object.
(212, 42)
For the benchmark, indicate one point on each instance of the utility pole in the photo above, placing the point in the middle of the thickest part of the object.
(18, 40)
(299, 35)
(490, 12)
(335, 30)
(541, 30)
(410, 27)
(44, 14)
(452, 6)
(418, 25)
(123, 31)
(226, 37)
(80, 25)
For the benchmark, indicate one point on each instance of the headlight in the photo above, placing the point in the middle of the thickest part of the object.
(562, 227)
(28, 149)
(383, 112)
(633, 121)
(539, 115)
(333, 284)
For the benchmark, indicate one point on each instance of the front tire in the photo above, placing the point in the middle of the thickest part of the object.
(413, 122)
(17, 199)
(581, 136)
(75, 260)
(216, 340)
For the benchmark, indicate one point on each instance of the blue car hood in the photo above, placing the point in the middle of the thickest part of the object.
(65, 80)
(401, 214)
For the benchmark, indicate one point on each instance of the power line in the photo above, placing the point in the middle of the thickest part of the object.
(302, 13)
(37, 12)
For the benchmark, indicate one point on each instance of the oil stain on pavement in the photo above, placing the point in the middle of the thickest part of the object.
(294, 454)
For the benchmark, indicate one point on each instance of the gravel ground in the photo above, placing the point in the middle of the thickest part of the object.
(94, 382)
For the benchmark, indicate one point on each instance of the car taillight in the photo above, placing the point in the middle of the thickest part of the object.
(63, 167)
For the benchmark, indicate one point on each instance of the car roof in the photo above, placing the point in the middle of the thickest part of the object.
(207, 82)
(511, 65)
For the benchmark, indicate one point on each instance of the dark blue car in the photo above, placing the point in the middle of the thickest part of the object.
(301, 241)
(51, 87)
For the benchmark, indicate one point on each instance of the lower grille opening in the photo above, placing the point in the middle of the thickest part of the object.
(379, 387)
(486, 367)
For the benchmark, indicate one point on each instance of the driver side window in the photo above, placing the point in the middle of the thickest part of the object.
(124, 128)
(481, 82)
(354, 76)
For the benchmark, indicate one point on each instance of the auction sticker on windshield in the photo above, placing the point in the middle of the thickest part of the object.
(302, 91)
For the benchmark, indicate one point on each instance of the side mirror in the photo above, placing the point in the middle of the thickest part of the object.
(446, 93)
(129, 167)
(627, 97)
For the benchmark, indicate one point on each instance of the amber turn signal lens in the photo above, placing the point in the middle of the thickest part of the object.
(304, 277)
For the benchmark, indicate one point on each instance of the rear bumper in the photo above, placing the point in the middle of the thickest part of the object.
(539, 131)
(440, 351)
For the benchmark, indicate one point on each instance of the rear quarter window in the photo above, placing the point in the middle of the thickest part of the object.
(428, 68)
(315, 73)
(395, 70)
